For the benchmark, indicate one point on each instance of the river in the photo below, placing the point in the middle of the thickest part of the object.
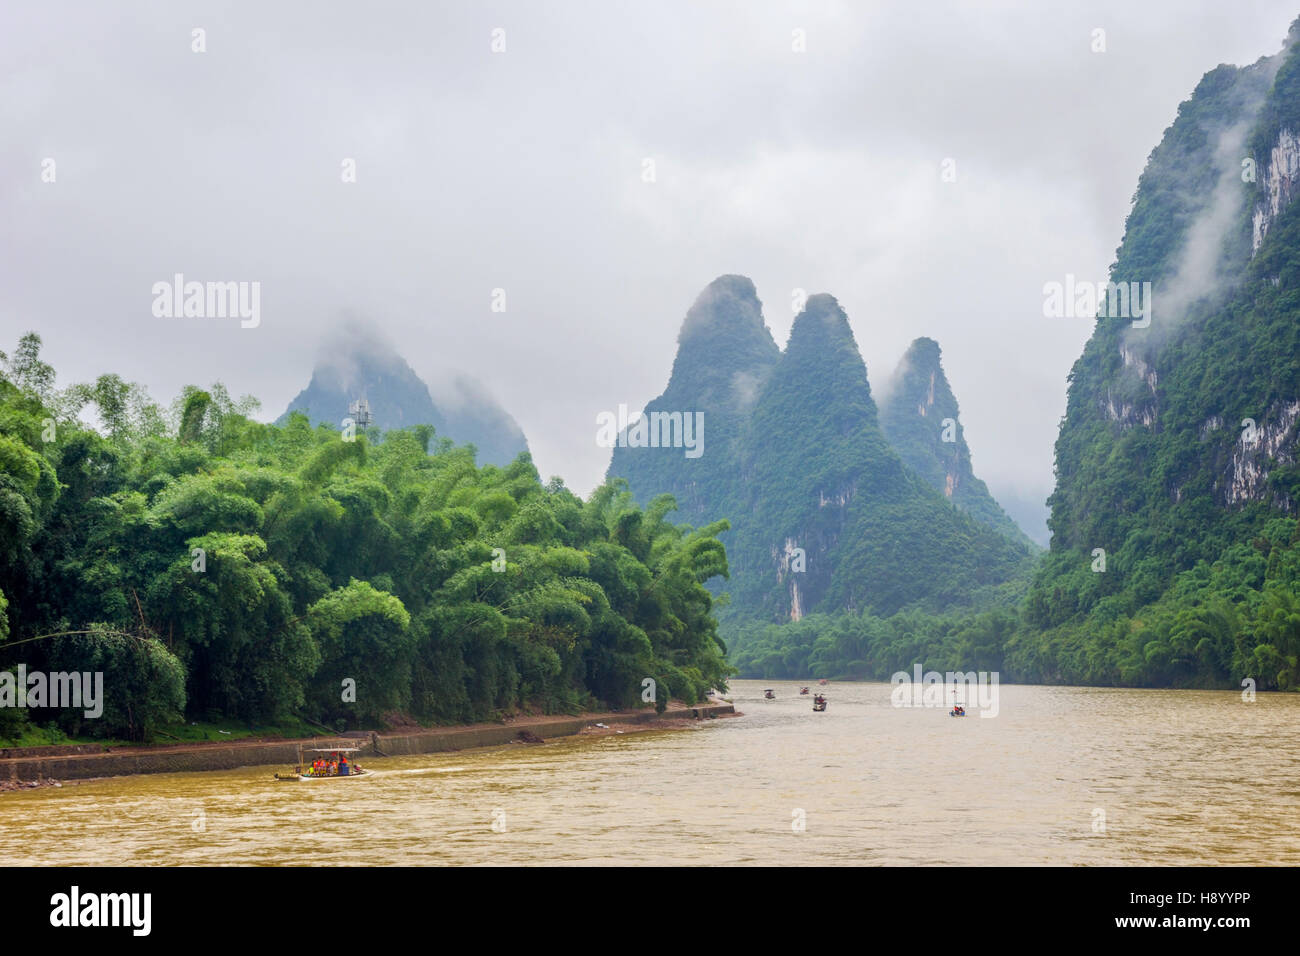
(1062, 775)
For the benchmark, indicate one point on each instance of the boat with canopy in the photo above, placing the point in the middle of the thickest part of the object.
(326, 763)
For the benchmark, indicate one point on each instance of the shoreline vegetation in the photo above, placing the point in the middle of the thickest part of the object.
(217, 569)
(27, 768)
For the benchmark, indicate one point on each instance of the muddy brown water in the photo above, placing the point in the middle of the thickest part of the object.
(1062, 775)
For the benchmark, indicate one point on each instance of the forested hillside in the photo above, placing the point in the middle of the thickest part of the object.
(920, 417)
(821, 476)
(1173, 556)
(826, 517)
(724, 354)
(216, 567)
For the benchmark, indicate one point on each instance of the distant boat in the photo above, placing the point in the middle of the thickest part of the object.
(769, 694)
(819, 702)
(803, 690)
(823, 682)
(957, 712)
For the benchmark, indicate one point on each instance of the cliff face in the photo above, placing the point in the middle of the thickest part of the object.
(1278, 184)
(1262, 447)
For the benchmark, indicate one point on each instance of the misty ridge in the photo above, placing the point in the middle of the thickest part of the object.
(357, 361)
(1218, 237)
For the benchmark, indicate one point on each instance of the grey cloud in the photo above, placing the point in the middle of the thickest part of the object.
(522, 171)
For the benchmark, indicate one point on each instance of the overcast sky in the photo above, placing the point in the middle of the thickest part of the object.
(524, 170)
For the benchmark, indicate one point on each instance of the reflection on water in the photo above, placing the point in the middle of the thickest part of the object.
(1185, 777)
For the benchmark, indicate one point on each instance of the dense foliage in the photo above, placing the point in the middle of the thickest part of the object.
(1219, 623)
(215, 566)
(866, 647)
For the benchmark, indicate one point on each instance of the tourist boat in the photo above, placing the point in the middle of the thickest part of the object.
(769, 694)
(803, 690)
(957, 713)
(337, 757)
(819, 702)
(823, 682)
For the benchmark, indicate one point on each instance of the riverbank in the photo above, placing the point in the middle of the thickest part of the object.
(21, 770)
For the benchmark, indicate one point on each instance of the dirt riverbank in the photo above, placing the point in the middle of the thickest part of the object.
(20, 770)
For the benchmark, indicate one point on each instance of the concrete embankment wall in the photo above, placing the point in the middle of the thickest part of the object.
(126, 760)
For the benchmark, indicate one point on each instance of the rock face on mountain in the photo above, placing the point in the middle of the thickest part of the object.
(825, 515)
(398, 398)
(920, 417)
(1179, 439)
